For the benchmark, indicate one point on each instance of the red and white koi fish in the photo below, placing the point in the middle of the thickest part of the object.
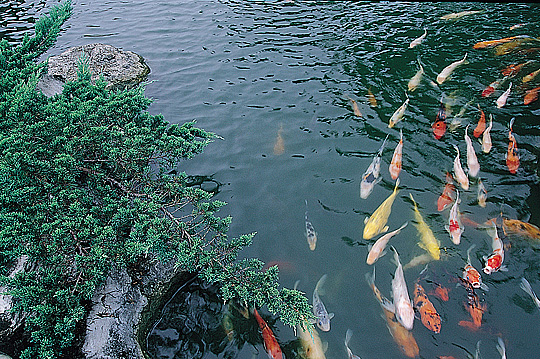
(488, 91)
(415, 80)
(516, 26)
(418, 40)
(371, 177)
(472, 161)
(447, 195)
(454, 226)
(495, 260)
(395, 164)
(398, 114)
(512, 156)
(403, 306)
(377, 250)
(270, 343)
(514, 69)
(531, 96)
(447, 71)
(461, 177)
(439, 126)
(486, 136)
(530, 76)
(481, 126)
(471, 275)
(481, 194)
(501, 101)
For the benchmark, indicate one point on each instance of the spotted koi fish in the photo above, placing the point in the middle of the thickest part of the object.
(428, 314)
(471, 275)
(494, 262)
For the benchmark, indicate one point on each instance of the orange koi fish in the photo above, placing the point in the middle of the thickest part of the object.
(448, 193)
(471, 275)
(354, 105)
(441, 292)
(491, 43)
(524, 229)
(481, 126)
(371, 98)
(531, 96)
(428, 314)
(473, 306)
(461, 177)
(494, 262)
(512, 70)
(270, 343)
(512, 156)
(395, 164)
(439, 126)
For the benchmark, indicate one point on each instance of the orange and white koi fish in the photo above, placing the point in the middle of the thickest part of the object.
(473, 306)
(371, 98)
(490, 89)
(447, 195)
(472, 160)
(311, 235)
(526, 286)
(403, 337)
(520, 228)
(398, 114)
(516, 26)
(457, 15)
(395, 164)
(371, 177)
(319, 310)
(481, 126)
(471, 275)
(530, 76)
(481, 194)
(377, 250)
(403, 306)
(427, 238)
(491, 43)
(461, 177)
(377, 222)
(454, 226)
(310, 342)
(439, 126)
(514, 69)
(447, 71)
(270, 343)
(486, 136)
(428, 314)
(512, 156)
(415, 80)
(418, 40)
(354, 105)
(531, 96)
(350, 354)
(494, 262)
(501, 101)
(279, 145)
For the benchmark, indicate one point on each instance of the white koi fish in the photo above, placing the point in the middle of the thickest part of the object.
(495, 260)
(457, 15)
(461, 177)
(322, 316)
(311, 235)
(501, 101)
(418, 40)
(472, 161)
(395, 164)
(377, 250)
(486, 137)
(481, 194)
(398, 114)
(454, 226)
(402, 303)
(348, 336)
(377, 222)
(371, 177)
(447, 71)
(415, 80)
(526, 286)
(501, 348)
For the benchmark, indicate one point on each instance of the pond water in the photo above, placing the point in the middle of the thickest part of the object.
(275, 79)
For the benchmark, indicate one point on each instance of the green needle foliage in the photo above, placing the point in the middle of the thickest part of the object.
(86, 182)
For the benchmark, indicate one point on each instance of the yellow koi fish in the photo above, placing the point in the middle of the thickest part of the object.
(377, 222)
(415, 80)
(310, 342)
(428, 240)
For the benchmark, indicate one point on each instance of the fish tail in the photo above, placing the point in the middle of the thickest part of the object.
(403, 226)
(296, 284)
(512, 123)
(526, 286)
(382, 146)
(320, 283)
(396, 186)
(396, 255)
(371, 278)
(348, 336)
(501, 348)
(401, 134)
(414, 202)
(492, 231)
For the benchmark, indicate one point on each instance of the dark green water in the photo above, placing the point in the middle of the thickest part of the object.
(245, 69)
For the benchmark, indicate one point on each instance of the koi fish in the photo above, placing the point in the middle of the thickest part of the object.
(427, 238)
(492, 43)
(481, 126)
(486, 136)
(490, 89)
(524, 229)
(415, 80)
(531, 96)
(513, 69)
(454, 226)
(428, 314)
(457, 15)
(311, 235)
(377, 222)
(501, 348)
(471, 275)
(403, 306)
(458, 171)
(371, 177)
(447, 71)
(418, 260)
(377, 250)
(227, 324)
(279, 145)
(356, 110)
(348, 336)
(472, 161)
(310, 342)
(530, 76)
(418, 40)
(512, 156)
(322, 316)
(501, 101)
(526, 286)
(481, 194)
(440, 292)
(473, 306)
(495, 260)
(448, 193)
(371, 98)
(395, 164)
(398, 114)
(270, 343)
(439, 126)
(516, 26)
(403, 337)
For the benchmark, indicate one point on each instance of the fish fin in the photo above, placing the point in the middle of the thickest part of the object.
(501, 348)
(503, 268)
(296, 284)
(382, 253)
(321, 281)
(484, 287)
(366, 219)
(312, 321)
(330, 315)
(325, 346)
(389, 306)
(385, 229)
(447, 228)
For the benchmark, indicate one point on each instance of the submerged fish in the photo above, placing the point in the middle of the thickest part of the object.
(531, 96)
(457, 15)
(515, 44)
(526, 286)
(481, 194)
(501, 101)
(514, 69)
(530, 76)
(418, 40)
(481, 126)
(415, 80)
(447, 71)
(269, 340)
(428, 314)
(501, 348)
(310, 342)
(322, 316)
(427, 238)
(371, 98)
(403, 306)
(486, 136)
(350, 354)
(377, 222)
(354, 104)
(377, 250)
(461, 177)
(439, 126)
(493, 86)
(447, 195)
(371, 177)
(398, 114)
(395, 164)
(520, 228)
(473, 306)
(472, 160)
(512, 155)
(491, 43)
(311, 235)
(279, 145)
